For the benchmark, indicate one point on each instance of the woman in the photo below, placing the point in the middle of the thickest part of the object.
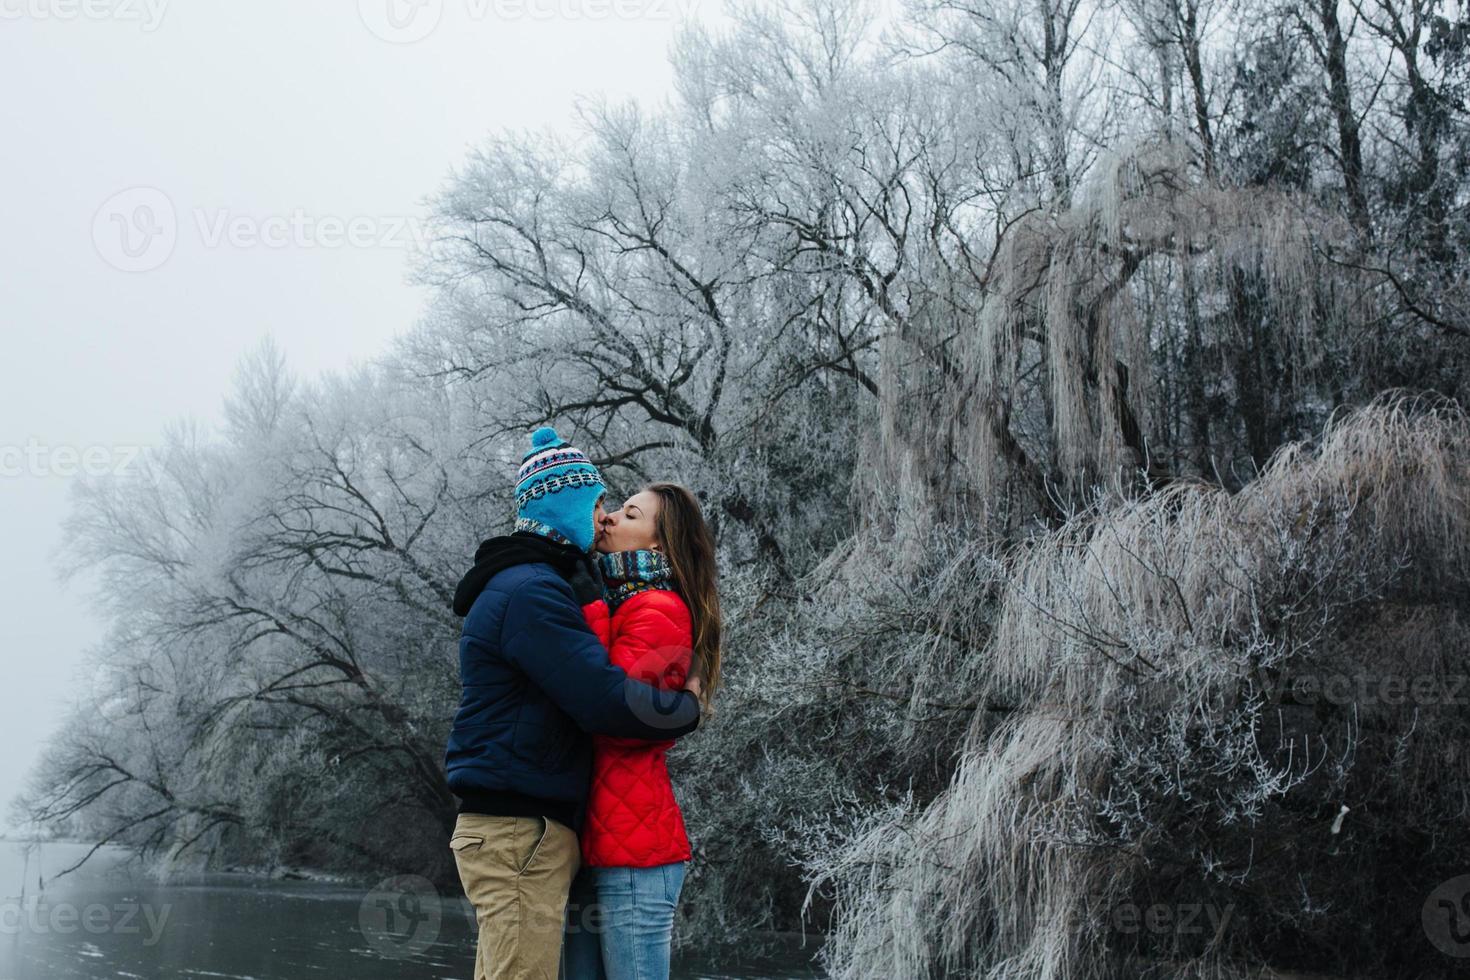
(657, 558)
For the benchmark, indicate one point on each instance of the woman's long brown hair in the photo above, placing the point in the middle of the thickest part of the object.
(690, 549)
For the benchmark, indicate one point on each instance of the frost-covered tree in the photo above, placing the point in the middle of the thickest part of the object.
(1029, 358)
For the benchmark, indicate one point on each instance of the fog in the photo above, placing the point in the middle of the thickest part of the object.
(180, 179)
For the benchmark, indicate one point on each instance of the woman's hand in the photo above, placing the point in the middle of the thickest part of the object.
(692, 685)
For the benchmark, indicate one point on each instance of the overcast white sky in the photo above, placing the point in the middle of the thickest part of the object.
(170, 175)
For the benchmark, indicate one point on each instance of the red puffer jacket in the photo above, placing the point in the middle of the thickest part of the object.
(633, 820)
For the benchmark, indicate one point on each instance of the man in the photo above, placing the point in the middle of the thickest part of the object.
(537, 683)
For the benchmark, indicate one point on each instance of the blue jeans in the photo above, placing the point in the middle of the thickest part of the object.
(620, 923)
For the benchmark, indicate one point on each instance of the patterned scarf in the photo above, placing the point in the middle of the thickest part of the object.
(627, 573)
(545, 530)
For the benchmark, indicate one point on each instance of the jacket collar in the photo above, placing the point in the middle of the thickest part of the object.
(501, 552)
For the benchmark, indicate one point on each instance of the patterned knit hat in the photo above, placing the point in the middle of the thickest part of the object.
(558, 488)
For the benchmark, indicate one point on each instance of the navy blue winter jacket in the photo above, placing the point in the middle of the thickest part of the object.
(537, 683)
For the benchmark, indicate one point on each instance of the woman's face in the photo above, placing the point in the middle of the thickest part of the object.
(633, 527)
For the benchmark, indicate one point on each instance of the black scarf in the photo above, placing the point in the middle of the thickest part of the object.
(505, 550)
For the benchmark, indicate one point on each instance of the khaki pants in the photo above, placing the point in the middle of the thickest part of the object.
(516, 872)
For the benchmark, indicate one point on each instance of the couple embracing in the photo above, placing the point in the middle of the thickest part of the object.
(591, 642)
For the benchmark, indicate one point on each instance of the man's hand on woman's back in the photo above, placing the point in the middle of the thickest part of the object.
(586, 582)
(545, 635)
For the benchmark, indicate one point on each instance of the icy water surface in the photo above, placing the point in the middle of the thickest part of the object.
(111, 921)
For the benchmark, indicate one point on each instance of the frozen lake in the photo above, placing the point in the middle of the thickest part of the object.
(109, 920)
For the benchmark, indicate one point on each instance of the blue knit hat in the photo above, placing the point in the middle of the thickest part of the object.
(558, 489)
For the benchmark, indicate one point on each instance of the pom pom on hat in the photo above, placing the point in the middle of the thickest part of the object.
(544, 438)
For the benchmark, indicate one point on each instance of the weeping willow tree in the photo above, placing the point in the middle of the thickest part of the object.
(1233, 708)
(1083, 373)
(1156, 539)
